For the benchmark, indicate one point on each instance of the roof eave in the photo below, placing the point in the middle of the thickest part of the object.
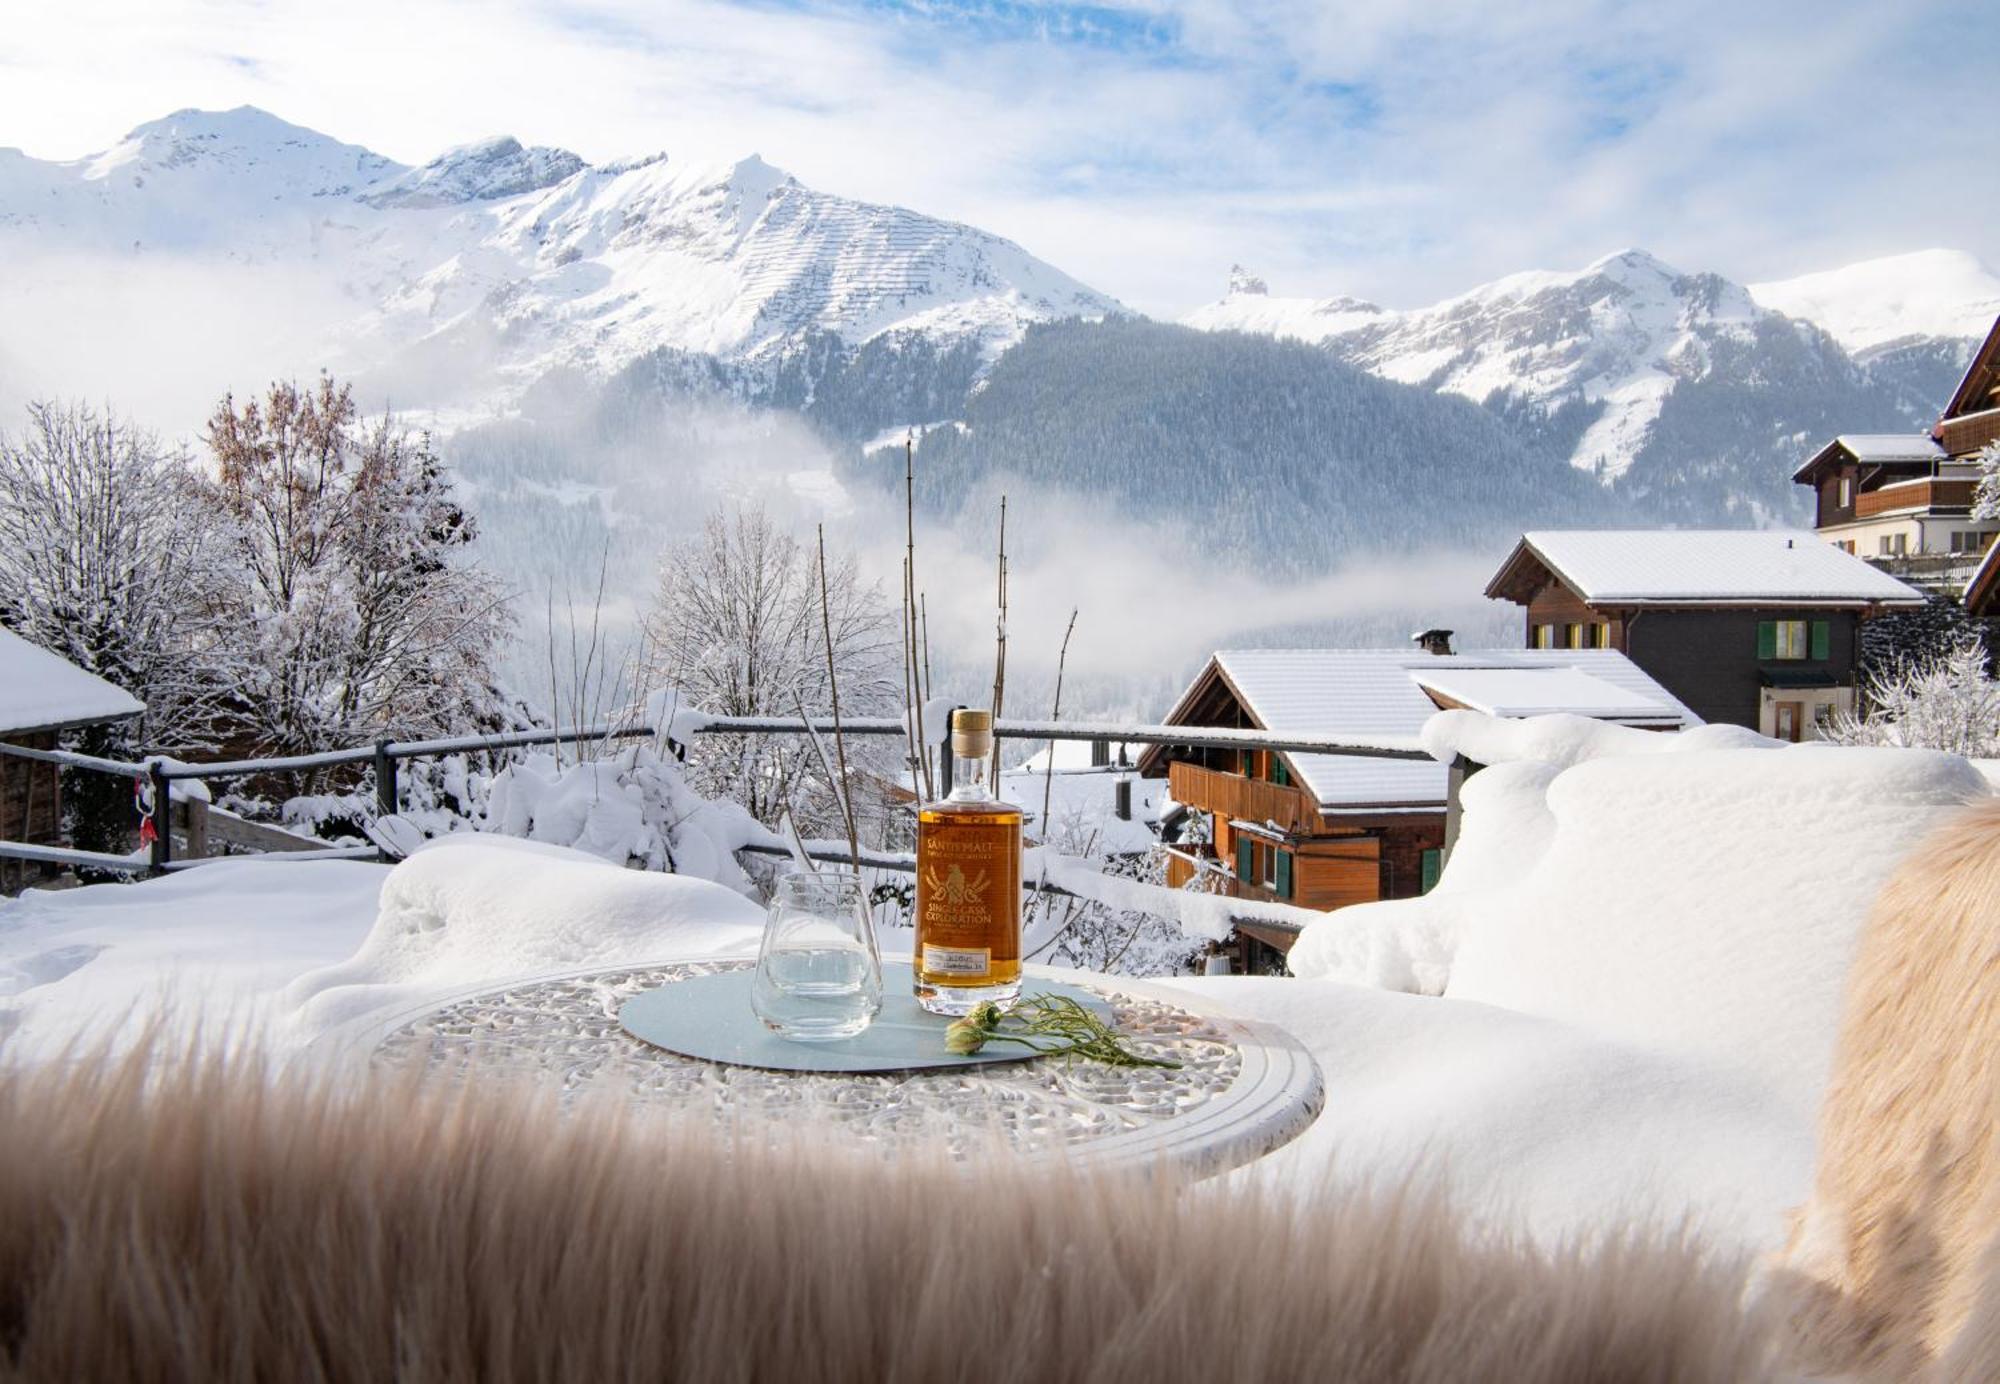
(74, 723)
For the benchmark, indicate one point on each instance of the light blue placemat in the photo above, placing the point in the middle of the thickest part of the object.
(709, 1017)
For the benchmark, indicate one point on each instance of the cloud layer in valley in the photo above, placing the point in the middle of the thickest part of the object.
(1392, 151)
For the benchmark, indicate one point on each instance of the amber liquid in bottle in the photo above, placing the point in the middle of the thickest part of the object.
(968, 945)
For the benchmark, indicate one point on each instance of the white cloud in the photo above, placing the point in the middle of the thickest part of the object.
(1392, 151)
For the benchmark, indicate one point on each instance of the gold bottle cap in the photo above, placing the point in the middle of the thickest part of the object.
(971, 733)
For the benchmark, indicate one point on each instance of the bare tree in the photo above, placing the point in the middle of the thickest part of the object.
(358, 607)
(741, 626)
(104, 559)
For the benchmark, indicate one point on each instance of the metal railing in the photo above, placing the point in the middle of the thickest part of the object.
(385, 755)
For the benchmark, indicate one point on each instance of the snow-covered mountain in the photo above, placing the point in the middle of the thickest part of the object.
(1880, 302)
(1643, 374)
(528, 259)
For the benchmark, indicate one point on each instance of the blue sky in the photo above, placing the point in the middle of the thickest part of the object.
(1390, 151)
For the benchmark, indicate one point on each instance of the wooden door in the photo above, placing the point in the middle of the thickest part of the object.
(1790, 716)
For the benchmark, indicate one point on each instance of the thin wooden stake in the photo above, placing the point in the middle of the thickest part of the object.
(1049, 779)
(1000, 648)
(910, 604)
(842, 790)
(924, 605)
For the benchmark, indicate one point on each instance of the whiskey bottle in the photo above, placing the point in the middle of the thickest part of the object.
(968, 947)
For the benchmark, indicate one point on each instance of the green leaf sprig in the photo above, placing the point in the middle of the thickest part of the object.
(1050, 1024)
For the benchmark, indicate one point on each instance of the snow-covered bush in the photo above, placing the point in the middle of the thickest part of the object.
(1986, 496)
(1944, 701)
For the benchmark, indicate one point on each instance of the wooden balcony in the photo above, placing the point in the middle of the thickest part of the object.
(1242, 799)
(1928, 493)
(1968, 433)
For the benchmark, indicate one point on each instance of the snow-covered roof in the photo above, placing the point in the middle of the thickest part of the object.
(1875, 449)
(43, 691)
(1892, 446)
(1706, 567)
(1381, 692)
(1543, 692)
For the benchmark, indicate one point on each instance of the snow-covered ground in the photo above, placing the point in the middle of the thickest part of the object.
(1619, 1002)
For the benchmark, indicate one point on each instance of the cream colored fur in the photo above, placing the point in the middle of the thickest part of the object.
(194, 1222)
(1894, 1243)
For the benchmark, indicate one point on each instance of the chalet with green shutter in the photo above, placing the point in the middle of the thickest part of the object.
(1756, 628)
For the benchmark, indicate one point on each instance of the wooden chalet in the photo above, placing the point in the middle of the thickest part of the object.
(1324, 831)
(41, 696)
(1906, 499)
(1754, 627)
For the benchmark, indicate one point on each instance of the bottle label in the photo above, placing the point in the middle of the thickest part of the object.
(968, 905)
(957, 961)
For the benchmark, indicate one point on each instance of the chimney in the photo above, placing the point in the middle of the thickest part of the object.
(1433, 641)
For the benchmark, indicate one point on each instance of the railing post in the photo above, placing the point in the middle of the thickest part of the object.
(385, 779)
(163, 817)
(197, 827)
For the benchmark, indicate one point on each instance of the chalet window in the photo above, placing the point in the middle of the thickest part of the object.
(1432, 867)
(1270, 854)
(1846, 492)
(1794, 639)
(1280, 775)
(1575, 640)
(1892, 545)
(1545, 637)
(1600, 636)
(1283, 887)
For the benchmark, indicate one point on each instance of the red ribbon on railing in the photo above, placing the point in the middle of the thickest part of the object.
(142, 803)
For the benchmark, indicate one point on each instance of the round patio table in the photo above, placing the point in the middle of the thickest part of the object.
(1242, 1089)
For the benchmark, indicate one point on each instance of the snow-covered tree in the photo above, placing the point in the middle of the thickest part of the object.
(359, 611)
(105, 560)
(1986, 496)
(1942, 701)
(737, 626)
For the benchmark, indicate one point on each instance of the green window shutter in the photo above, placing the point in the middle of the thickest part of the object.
(1284, 884)
(1433, 865)
(1246, 860)
(1822, 638)
(1767, 639)
(1280, 775)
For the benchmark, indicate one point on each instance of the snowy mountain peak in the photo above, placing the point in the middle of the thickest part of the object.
(1632, 262)
(1614, 337)
(1243, 282)
(481, 172)
(234, 145)
(554, 262)
(1878, 302)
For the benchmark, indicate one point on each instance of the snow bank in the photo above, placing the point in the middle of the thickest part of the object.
(1563, 740)
(1408, 944)
(472, 908)
(216, 942)
(1536, 1126)
(1698, 892)
(1708, 902)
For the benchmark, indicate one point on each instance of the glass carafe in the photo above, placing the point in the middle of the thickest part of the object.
(819, 975)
